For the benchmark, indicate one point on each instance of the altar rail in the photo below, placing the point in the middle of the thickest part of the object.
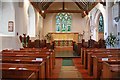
(63, 43)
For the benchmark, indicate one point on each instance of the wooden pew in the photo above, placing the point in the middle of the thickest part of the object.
(18, 75)
(33, 50)
(30, 56)
(77, 48)
(52, 54)
(19, 71)
(97, 64)
(82, 55)
(23, 60)
(90, 59)
(84, 51)
(96, 51)
(111, 70)
(40, 51)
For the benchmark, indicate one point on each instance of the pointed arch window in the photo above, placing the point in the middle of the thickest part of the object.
(101, 24)
(31, 21)
(63, 22)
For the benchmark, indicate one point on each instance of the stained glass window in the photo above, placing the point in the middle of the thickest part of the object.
(101, 24)
(63, 22)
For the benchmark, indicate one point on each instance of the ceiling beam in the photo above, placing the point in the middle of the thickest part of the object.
(47, 5)
(80, 7)
(85, 7)
(84, 3)
(63, 11)
(39, 5)
(35, 6)
(93, 5)
(63, 5)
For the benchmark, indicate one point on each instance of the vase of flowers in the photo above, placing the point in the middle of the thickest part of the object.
(24, 40)
(111, 40)
(48, 37)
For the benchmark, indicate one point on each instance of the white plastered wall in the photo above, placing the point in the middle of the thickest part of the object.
(115, 28)
(21, 19)
(7, 14)
(79, 24)
(0, 43)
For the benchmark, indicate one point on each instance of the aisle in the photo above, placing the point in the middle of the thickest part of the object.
(59, 70)
(68, 70)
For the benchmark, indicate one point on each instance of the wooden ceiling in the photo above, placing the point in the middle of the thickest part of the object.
(84, 6)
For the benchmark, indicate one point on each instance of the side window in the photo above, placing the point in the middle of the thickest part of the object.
(31, 21)
(101, 24)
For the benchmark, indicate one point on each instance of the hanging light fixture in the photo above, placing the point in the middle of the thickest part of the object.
(43, 11)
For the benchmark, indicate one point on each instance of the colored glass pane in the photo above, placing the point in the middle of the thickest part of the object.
(101, 24)
(63, 22)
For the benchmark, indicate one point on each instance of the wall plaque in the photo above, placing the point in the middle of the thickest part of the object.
(10, 26)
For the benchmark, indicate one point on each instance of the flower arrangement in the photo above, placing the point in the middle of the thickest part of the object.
(24, 40)
(48, 36)
(111, 40)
